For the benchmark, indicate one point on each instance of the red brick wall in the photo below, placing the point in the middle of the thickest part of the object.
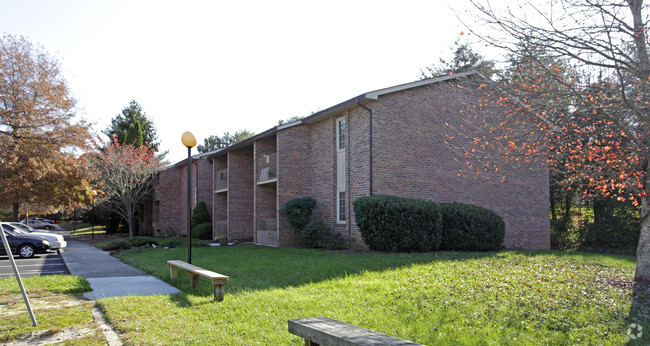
(169, 197)
(294, 174)
(411, 159)
(323, 171)
(240, 194)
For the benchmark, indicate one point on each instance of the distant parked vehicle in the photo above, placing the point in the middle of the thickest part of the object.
(45, 220)
(25, 246)
(56, 240)
(29, 229)
(39, 224)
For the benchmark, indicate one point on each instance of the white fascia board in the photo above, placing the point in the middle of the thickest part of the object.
(374, 95)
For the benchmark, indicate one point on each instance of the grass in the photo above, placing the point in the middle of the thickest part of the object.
(435, 298)
(56, 306)
(172, 242)
(84, 229)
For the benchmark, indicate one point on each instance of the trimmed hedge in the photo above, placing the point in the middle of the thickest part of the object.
(298, 211)
(203, 231)
(396, 224)
(471, 228)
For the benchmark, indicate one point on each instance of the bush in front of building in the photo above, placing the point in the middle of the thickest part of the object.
(317, 235)
(468, 227)
(117, 245)
(298, 211)
(203, 231)
(200, 214)
(396, 224)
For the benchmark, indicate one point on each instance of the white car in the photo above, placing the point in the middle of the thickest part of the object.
(56, 240)
(39, 224)
(29, 229)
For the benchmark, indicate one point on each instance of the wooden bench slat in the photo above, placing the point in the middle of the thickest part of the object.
(218, 280)
(327, 331)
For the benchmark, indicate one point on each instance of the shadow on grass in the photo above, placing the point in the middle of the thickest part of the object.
(252, 268)
(639, 316)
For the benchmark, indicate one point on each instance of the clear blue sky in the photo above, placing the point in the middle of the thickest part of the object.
(214, 66)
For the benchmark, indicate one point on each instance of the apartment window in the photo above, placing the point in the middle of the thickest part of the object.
(340, 171)
(341, 134)
(341, 204)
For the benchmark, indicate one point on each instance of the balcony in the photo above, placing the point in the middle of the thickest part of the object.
(221, 181)
(267, 232)
(220, 228)
(267, 169)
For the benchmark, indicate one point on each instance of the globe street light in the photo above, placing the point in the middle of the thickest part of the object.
(189, 141)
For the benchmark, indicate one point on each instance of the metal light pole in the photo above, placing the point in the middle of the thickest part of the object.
(93, 193)
(189, 141)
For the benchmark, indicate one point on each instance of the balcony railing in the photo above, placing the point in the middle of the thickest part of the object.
(267, 168)
(220, 228)
(267, 232)
(221, 181)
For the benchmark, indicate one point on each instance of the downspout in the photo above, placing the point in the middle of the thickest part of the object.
(369, 145)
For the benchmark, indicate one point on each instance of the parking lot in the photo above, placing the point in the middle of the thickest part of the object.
(40, 264)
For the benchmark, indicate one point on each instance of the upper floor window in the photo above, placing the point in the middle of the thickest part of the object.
(340, 133)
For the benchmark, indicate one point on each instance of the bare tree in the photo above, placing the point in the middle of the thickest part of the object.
(591, 105)
(125, 173)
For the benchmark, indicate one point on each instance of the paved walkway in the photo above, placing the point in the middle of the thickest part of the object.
(107, 275)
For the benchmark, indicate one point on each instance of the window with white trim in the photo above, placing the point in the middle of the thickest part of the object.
(340, 171)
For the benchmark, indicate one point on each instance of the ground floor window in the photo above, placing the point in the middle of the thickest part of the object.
(341, 205)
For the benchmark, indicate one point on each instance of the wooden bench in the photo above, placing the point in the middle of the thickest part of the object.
(326, 331)
(218, 280)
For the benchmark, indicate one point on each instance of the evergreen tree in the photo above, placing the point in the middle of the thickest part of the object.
(133, 115)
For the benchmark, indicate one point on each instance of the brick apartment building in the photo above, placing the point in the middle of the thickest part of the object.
(389, 141)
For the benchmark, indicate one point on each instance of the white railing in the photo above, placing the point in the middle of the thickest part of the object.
(267, 232)
(267, 168)
(220, 228)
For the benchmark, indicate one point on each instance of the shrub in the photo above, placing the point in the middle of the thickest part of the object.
(317, 235)
(117, 245)
(389, 223)
(200, 215)
(471, 228)
(298, 211)
(203, 231)
(142, 241)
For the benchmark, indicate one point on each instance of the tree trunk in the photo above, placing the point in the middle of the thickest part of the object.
(643, 253)
(131, 222)
(16, 212)
(642, 277)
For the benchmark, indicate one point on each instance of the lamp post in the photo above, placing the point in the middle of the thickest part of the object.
(93, 193)
(189, 141)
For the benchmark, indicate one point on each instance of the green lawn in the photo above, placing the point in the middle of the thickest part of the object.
(57, 308)
(85, 229)
(436, 298)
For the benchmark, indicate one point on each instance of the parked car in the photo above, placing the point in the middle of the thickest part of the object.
(45, 220)
(25, 246)
(29, 229)
(39, 224)
(56, 240)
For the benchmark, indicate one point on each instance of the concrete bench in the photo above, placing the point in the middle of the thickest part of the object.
(218, 280)
(326, 331)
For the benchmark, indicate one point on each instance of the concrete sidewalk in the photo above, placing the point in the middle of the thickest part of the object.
(107, 275)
